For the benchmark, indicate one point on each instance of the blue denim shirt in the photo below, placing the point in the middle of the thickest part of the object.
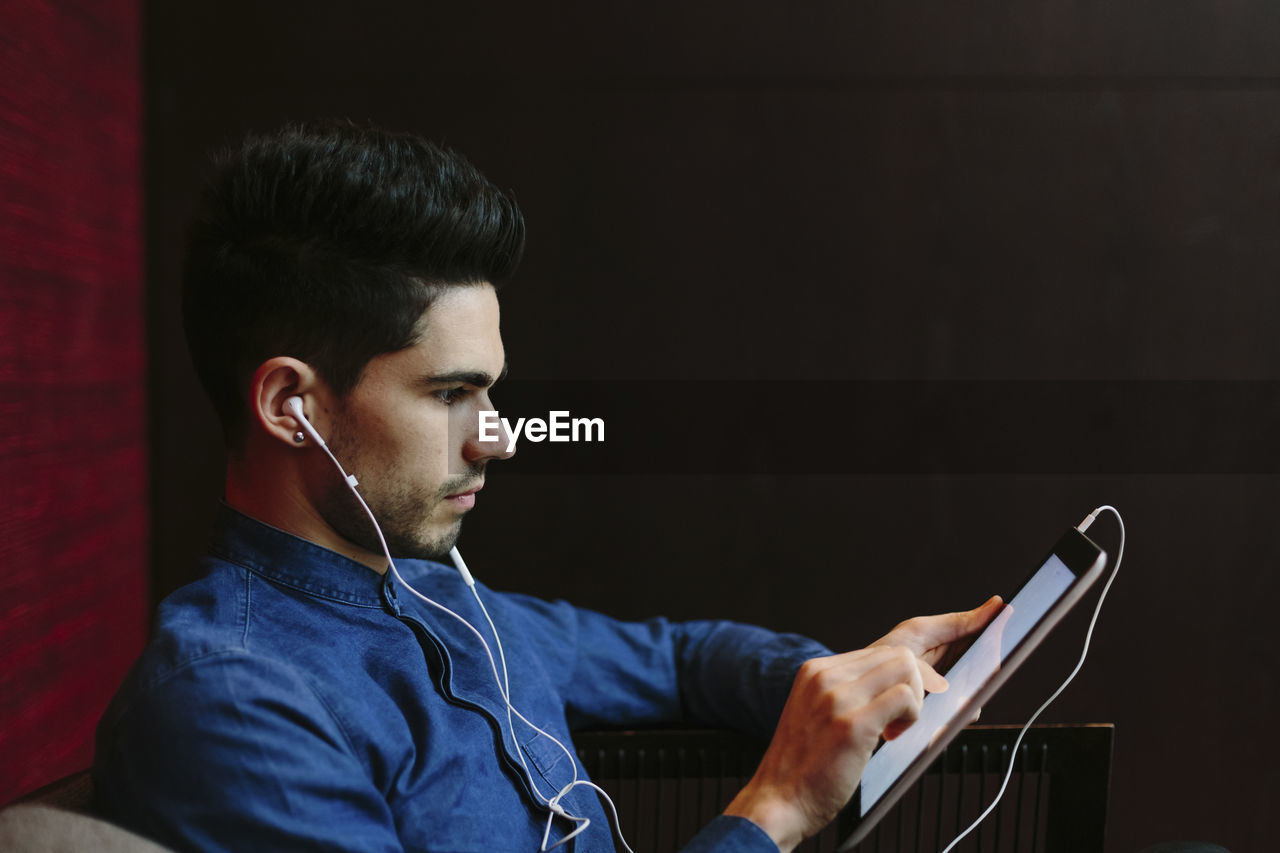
(293, 699)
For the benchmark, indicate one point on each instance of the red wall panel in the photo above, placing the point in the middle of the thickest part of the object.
(73, 482)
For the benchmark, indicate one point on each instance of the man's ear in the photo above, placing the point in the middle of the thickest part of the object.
(276, 380)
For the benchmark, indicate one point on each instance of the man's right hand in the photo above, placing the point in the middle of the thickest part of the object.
(837, 710)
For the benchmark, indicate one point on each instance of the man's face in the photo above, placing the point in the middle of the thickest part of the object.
(409, 430)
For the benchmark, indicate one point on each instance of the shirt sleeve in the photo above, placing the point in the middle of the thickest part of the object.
(716, 674)
(275, 768)
(730, 834)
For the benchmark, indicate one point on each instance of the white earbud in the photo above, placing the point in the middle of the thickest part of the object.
(293, 406)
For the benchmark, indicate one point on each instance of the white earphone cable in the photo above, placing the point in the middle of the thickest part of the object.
(503, 682)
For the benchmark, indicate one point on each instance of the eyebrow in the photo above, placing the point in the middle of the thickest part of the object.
(478, 378)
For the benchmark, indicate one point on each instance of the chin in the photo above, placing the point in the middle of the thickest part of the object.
(431, 546)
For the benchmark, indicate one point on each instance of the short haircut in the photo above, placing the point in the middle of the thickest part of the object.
(327, 242)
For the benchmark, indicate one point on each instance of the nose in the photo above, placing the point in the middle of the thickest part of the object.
(480, 444)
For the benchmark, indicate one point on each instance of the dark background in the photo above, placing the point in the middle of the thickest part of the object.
(888, 191)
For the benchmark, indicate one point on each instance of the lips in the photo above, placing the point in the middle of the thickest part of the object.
(468, 492)
(464, 500)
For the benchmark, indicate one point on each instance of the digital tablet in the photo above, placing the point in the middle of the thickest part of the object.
(1062, 579)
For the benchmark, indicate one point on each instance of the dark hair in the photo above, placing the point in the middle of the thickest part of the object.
(327, 242)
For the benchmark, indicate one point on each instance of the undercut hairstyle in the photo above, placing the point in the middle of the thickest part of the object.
(327, 242)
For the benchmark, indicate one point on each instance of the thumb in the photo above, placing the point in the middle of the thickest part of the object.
(956, 625)
(977, 618)
(925, 633)
(948, 627)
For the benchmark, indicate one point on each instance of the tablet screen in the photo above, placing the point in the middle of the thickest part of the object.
(974, 669)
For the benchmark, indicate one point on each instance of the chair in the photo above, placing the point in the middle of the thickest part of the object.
(57, 819)
(667, 784)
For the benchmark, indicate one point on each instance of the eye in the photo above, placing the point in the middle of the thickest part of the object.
(449, 396)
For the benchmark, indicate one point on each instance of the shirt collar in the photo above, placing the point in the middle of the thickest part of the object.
(294, 561)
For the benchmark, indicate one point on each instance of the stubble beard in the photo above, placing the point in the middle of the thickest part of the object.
(403, 513)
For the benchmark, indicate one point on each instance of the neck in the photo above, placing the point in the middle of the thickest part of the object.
(277, 497)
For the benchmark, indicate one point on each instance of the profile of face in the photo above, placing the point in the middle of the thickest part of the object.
(409, 430)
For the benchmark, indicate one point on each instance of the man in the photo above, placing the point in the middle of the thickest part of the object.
(306, 694)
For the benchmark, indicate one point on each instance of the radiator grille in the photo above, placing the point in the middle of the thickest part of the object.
(668, 784)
